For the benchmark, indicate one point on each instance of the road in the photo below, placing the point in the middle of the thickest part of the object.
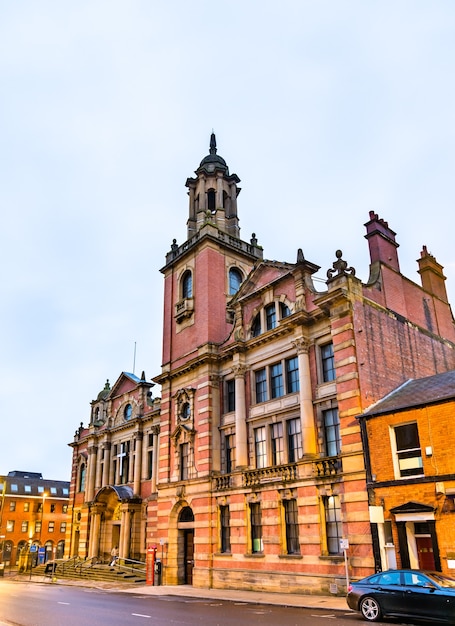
(32, 604)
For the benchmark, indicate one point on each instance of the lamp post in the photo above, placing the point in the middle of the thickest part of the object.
(42, 519)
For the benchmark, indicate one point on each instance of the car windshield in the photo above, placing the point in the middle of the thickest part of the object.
(442, 581)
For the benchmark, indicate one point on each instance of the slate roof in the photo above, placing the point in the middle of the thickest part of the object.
(416, 392)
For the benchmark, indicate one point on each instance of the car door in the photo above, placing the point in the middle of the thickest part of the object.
(389, 592)
(423, 599)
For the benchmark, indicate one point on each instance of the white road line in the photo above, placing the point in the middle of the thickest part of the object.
(63, 603)
(140, 615)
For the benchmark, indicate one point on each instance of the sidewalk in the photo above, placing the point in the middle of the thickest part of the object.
(328, 602)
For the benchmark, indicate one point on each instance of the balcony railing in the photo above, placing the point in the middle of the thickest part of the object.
(326, 467)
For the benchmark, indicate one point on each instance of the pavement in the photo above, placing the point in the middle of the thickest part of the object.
(327, 602)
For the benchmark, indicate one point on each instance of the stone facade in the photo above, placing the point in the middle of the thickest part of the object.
(259, 469)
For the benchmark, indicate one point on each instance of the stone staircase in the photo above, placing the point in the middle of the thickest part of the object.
(94, 571)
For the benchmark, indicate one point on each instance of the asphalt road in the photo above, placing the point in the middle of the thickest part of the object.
(31, 604)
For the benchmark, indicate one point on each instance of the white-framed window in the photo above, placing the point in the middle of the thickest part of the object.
(406, 451)
(276, 380)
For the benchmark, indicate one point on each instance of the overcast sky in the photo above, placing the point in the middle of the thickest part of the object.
(324, 109)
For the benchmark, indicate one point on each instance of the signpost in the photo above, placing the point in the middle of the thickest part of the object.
(344, 545)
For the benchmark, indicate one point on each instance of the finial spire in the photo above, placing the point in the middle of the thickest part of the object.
(212, 143)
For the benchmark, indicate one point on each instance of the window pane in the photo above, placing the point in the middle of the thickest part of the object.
(292, 526)
(292, 375)
(333, 523)
(328, 363)
(294, 440)
(225, 529)
(235, 279)
(256, 326)
(276, 381)
(230, 453)
(230, 396)
(408, 450)
(331, 432)
(261, 385)
(187, 285)
(270, 316)
(256, 527)
(277, 444)
(260, 447)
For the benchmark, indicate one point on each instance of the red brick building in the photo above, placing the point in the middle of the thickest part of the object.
(249, 470)
(411, 474)
(33, 514)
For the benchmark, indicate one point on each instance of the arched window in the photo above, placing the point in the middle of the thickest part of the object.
(187, 285)
(211, 200)
(235, 280)
(186, 515)
(285, 311)
(128, 412)
(82, 471)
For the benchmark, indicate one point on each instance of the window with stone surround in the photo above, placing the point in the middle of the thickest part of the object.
(256, 528)
(333, 526)
(327, 362)
(292, 526)
(225, 529)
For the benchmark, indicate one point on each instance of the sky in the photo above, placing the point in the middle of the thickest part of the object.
(325, 109)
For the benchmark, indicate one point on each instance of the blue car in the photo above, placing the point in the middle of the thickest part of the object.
(404, 593)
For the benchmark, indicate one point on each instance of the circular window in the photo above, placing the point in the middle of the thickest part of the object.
(128, 412)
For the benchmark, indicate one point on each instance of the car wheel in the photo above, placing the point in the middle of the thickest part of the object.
(370, 609)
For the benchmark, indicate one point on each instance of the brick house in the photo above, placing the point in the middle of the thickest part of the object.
(33, 513)
(411, 474)
(258, 469)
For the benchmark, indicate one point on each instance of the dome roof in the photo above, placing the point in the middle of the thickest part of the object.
(103, 394)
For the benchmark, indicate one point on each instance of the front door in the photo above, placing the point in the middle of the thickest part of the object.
(425, 553)
(189, 556)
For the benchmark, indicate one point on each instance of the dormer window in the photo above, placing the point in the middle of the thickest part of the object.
(235, 280)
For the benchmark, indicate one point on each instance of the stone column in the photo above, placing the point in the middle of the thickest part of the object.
(125, 533)
(241, 434)
(156, 456)
(91, 472)
(306, 398)
(137, 439)
(106, 463)
(99, 468)
(95, 526)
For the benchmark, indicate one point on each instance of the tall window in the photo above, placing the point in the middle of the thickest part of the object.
(409, 454)
(292, 526)
(187, 285)
(256, 527)
(24, 527)
(50, 527)
(63, 527)
(294, 440)
(256, 326)
(12, 505)
(270, 316)
(82, 477)
(10, 526)
(260, 445)
(230, 396)
(277, 444)
(285, 311)
(331, 432)
(261, 385)
(184, 461)
(235, 280)
(225, 529)
(150, 456)
(26, 507)
(292, 375)
(328, 363)
(229, 442)
(276, 381)
(332, 509)
(38, 526)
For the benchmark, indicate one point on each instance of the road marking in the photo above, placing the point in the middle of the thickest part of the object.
(140, 615)
(326, 616)
(63, 603)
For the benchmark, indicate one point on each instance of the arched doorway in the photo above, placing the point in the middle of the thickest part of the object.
(185, 527)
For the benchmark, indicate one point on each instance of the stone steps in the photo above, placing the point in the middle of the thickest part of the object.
(99, 572)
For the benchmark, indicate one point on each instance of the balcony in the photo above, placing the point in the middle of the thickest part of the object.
(327, 467)
(263, 476)
(184, 309)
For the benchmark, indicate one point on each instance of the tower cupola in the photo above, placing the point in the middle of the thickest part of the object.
(213, 195)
